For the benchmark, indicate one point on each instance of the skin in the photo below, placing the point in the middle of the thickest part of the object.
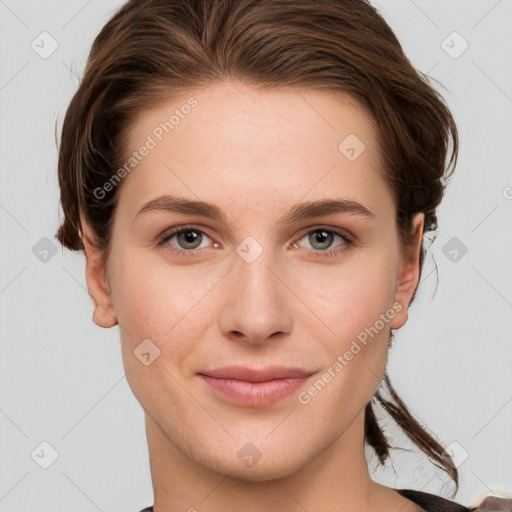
(255, 155)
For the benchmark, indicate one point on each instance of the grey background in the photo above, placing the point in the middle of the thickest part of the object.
(61, 377)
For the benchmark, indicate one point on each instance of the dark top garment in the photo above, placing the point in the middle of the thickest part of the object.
(427, 502)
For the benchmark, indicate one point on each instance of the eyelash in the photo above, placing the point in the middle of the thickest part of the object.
(163, 241)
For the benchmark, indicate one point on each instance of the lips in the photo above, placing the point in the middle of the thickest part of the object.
(254, 387)
(254, 375)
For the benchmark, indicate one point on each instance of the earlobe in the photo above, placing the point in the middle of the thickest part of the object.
(408, 275)
(98, 285)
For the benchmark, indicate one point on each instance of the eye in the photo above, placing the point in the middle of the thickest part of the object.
(190, 241)
(322, 239)
(184, 240)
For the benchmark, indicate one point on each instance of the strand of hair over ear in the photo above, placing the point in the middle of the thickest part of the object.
(389, 400)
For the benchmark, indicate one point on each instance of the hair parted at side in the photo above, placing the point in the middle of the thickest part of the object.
(153, 50)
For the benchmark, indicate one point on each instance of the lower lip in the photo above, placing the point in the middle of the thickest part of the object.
(254, 394)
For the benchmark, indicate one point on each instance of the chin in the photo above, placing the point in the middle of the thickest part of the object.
(262, 471)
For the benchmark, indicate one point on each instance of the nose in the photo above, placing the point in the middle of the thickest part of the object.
(256, 303)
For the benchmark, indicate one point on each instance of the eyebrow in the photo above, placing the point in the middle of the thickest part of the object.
(302, 211)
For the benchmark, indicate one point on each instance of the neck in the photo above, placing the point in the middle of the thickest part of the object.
(337, 479)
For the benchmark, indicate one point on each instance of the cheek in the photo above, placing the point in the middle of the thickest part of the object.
(350, 299)
(161, 302)
(356, 303)
(169, 306)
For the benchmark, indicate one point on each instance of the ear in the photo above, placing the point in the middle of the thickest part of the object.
(97, 281)
(408, 274)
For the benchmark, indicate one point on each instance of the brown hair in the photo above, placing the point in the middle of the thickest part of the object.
(153, 50)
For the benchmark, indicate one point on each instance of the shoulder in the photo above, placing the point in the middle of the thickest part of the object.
(495, 504)
(431, 503)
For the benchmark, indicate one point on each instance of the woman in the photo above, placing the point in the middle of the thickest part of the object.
(251, 183)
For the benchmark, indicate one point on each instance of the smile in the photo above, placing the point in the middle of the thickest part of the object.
(254, 388)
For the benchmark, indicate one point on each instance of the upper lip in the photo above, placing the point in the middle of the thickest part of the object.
(257, 375)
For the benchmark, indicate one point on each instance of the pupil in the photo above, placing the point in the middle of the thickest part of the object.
(190, 237)
(319, 235)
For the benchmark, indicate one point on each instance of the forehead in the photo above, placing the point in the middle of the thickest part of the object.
(232, 144)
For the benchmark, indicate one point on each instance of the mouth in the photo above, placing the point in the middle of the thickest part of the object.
(254, 388)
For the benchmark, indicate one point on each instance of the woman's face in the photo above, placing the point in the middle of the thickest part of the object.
(260, 281)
